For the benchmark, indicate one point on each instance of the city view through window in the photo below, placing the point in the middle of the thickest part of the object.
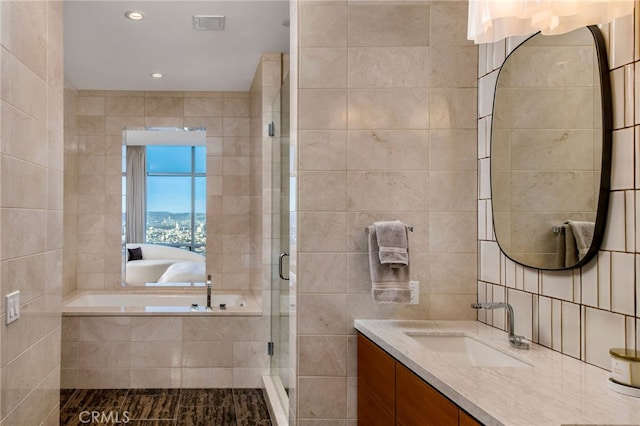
(176, 197)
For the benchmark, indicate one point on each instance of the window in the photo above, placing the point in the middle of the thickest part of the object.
(176, 196)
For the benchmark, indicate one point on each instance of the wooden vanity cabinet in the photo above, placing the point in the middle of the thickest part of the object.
(466, 420)
(376, 385)
(391, 394)
(417, 403)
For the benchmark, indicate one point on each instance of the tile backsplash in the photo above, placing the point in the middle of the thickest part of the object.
(383, 127)
(581, 312)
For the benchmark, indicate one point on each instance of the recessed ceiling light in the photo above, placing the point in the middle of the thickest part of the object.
(156, 75)
(134, 15)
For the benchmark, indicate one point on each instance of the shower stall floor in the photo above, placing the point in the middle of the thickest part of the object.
(164, 407)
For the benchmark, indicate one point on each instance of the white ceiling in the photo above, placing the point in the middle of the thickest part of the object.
(105, 51)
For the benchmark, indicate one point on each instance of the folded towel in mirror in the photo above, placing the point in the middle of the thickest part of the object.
(583, 235)
(571, 252)
(574, 241)
(393, 243)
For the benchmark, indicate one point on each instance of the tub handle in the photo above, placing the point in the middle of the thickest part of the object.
(282, 255)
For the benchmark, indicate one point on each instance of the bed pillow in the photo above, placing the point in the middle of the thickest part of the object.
(135, 253)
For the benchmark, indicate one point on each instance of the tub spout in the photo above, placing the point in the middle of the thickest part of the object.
(208, 293)
(514, 340)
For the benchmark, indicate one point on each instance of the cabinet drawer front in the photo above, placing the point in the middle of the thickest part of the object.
(418, 404)
(376, 384)
(467, 420)
(370, 413)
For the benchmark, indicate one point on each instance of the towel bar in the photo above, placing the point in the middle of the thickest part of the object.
(410, 228)
(557, 229)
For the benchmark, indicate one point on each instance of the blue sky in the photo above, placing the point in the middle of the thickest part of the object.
(173, 194)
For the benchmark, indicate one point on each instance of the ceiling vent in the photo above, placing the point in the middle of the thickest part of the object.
(208, 22)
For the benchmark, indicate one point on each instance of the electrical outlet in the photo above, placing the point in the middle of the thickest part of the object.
(12, 307)
(414, 287)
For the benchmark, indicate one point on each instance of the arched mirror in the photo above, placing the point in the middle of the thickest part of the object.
(551, 150)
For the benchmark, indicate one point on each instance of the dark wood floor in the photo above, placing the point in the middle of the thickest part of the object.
(164, 407)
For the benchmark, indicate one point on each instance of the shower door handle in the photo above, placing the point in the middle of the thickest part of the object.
(282, 255)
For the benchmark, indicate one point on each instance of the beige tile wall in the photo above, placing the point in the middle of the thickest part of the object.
(384, 127)
(255, 178)
(324, 152)
(101, 117)
(70, 237)
(586, 311)
(264, 88)
(164, 352)
(31, 202)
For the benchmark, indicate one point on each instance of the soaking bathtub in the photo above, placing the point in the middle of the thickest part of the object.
(155, 302)
(152, 339)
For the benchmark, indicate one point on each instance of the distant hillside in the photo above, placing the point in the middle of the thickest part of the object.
(165, 215)
(168, 218)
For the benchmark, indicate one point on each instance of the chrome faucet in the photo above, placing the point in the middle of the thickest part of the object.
(208, 308)
(514, 340)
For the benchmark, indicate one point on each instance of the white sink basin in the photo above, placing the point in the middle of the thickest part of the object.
(466, 351)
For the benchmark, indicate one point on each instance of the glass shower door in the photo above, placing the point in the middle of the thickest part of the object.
(280, 241)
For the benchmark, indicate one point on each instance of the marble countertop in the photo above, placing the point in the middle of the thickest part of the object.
(555, 390)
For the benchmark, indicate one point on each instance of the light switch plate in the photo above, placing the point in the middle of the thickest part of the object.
(12, 307)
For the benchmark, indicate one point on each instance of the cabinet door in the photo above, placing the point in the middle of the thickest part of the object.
(376, 385)
(418, 404)
(467, 420)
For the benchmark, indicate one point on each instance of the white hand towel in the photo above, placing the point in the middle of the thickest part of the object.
(388, 285)
(393, 243)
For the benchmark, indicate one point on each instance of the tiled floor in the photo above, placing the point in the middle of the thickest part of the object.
(164, 407)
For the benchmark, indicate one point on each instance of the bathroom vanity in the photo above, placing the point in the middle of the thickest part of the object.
(465, 373)
(387, 391)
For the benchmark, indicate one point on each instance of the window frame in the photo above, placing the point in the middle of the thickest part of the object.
(192, 174)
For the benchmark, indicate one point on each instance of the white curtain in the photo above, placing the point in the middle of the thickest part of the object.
(493, 20)
(136, 197)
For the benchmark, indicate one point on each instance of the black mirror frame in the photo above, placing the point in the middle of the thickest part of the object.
(607, 137)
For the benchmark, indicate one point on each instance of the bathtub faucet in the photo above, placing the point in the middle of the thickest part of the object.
(514, 340)
(208, 292)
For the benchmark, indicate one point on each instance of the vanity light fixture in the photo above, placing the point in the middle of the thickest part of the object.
(157, 75)
(134, 15)
(493, 20)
